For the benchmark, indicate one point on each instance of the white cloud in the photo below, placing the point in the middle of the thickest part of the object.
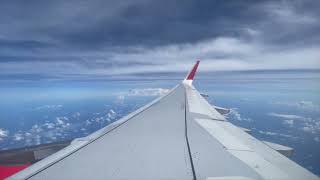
(53, 137)
(61, 120)
(88, 122)
(301, 105)
(307, 129)
(311, 126)
(285, 116)
(306, 124)
(111, 115)
(269, 133)
(309, 105)
(49, 125)
(99, 119)
(36, 129)
(120, 99)
(3, 134)
(76, 115)
(49, 107)
(235, 115)
(44, 132)
(147, 92)
(288, 122)
(37, 139)
(18, 137)
(251, 31)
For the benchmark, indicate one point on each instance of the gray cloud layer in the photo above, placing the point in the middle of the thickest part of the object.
(144, 36)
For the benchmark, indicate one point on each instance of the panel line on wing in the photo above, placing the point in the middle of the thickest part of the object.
(186, 135)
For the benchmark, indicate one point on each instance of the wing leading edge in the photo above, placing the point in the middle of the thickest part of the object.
(177, 136)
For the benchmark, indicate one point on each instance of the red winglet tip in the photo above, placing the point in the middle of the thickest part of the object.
(193, 71)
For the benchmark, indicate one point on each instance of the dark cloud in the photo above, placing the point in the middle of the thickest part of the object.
(90, 36)
(148, 23)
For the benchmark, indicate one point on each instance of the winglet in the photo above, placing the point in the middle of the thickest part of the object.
(188, 80)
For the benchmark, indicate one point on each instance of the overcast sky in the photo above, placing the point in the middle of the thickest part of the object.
(100, 37)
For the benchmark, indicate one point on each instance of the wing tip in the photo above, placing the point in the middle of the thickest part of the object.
(188, 80)
(193, 71)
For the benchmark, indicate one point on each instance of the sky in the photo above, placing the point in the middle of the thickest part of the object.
(75, 39)
(251, 51)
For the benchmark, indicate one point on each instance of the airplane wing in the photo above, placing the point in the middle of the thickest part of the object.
(177, 136)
